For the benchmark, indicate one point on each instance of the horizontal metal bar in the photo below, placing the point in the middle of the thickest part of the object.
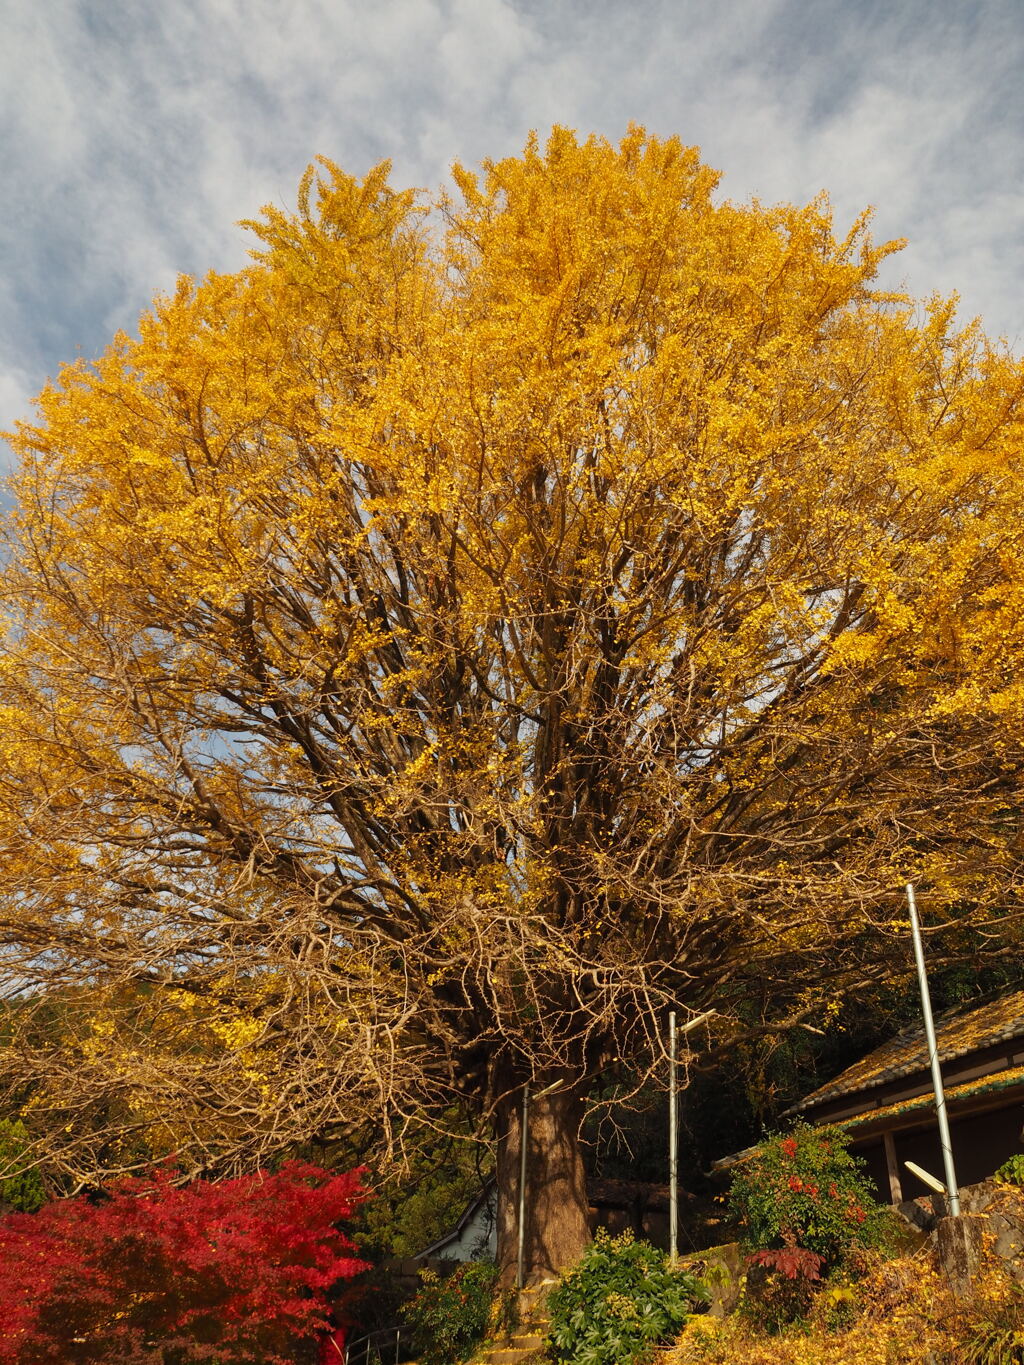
(925, 1178)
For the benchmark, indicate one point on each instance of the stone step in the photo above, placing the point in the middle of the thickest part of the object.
(533, 1322)
(533, 1299)
(535, 1329)
(521, 1346)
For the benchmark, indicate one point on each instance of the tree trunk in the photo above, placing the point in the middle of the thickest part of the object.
(556, 1227)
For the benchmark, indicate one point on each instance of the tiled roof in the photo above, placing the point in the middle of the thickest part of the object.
(956, 1034)
(1010, 1079)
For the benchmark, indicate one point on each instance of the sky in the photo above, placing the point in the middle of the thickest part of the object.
(135, 133)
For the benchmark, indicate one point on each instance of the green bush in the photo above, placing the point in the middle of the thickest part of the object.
(618, 1302)
(1011, 1172)
(805, 1190)
(450, 1316)
(996, 1334)
(780, 1286)
(23, 1192)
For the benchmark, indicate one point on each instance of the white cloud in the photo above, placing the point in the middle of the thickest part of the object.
(137, 133)
(16, 393)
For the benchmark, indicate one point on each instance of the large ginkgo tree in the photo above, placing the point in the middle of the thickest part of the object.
(476, 629)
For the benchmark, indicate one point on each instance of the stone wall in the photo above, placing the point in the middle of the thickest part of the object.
(722, 1268)
(999, 1209)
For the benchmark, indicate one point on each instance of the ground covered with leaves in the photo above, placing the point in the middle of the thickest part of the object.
(899, 1312)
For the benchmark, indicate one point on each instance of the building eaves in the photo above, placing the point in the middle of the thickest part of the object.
(956, 1033)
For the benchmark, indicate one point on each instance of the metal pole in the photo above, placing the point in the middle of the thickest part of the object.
(522, 1186)
(673, 1145)
(953, 1191)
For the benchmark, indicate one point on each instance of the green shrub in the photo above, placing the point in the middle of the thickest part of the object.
(450, 1316)
(996, 1336)
(805, 1190)
(780, 1286)
(1011, 1172)
(23, 1192)
(618, 1302)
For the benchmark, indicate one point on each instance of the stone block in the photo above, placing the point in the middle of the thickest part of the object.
(917, 1214)
(722, 1269)
(958, 1243)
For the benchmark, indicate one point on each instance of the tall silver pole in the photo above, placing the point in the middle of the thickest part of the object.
(952, 1189)
(673, 1145)
(520, 1259)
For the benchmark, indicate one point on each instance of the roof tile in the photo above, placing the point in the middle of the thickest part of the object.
(956, 1034)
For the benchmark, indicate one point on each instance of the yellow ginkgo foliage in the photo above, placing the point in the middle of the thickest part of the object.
(477, 628)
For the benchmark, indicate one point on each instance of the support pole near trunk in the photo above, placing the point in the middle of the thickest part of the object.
(952, 1189)
(673, 1145)
(521, 1255)
(673, 1124)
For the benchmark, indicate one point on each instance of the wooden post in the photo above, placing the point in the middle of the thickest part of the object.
(895, 1188)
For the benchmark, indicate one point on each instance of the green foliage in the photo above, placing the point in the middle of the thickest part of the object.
(416, 1204)
(997, 1336)
(780, 1286)
(618, 1302)
(1011, 1172)
(450, 1316)
(806, 1190)
(838, 1305)
(23, 1191)
(404, 1220)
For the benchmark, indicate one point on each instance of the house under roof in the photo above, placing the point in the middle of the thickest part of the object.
(886, 1103)
(618, 1205)
(957, 1034)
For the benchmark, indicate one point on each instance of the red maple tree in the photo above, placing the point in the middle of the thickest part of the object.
(230, 1270)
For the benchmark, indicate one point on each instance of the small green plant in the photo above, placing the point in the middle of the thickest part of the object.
(998, 1340)
(838, 1305)
(618, 1302)
(450, 1316)
(1011, 1172)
